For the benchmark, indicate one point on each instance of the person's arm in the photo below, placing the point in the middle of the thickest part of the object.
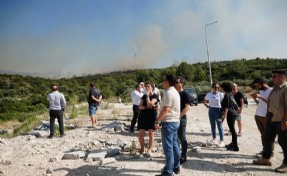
(284, 119)
(63, 102)
(141, 106)
(185, 109)
(241, 105)
(205, 102)
(262, 98)
(224, 114)
(161, 116)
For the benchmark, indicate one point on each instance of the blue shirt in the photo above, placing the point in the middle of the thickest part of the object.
(56, 100)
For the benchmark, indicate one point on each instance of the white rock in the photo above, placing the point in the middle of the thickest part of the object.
(107, 161)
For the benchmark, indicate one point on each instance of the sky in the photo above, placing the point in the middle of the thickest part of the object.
(65, 38)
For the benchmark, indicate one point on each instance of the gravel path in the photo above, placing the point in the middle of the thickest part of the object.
(27, 155)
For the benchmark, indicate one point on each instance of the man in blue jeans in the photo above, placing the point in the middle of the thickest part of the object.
(169, 118)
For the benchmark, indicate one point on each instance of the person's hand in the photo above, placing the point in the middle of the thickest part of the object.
(222, 118)
(254, 95)
(284, 125)
(157, 126)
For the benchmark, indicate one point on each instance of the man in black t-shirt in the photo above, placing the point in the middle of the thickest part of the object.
(185, 103)
(239, 98)
(94, 100)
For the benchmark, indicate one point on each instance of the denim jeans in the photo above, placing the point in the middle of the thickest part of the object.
(215, 119)
(182, 136)
(170, 146)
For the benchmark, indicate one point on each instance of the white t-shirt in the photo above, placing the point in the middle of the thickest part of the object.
(156, 91)
(214, 99)
(136, 97)
(262, 106)
(171, 99)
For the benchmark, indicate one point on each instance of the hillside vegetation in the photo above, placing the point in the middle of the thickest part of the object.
(23, 97)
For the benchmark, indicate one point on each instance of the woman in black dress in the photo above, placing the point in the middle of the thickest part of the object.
(147, 117)
(229, 110)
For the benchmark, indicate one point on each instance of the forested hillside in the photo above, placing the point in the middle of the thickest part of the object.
(22, 96)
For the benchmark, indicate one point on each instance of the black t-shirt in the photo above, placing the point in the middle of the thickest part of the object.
(238, 96)
(185, 98)
(96, 93)
(154, 96)
(229, 103)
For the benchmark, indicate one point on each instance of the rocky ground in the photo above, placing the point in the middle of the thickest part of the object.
(102, 151)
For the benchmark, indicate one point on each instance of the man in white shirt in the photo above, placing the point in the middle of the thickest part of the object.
(169, 118)
(261, 100)
(136, 98)
(57, 105)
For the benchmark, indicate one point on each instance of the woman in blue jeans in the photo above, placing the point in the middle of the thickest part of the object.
(212, 101)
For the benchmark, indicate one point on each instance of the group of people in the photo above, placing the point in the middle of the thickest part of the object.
(270, 115)
(57, 104)
(168, 114)
(170, 117)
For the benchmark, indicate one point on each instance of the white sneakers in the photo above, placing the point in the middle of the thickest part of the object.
(221, 144)
(214, 142)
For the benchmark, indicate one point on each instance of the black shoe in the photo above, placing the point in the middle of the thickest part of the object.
(229, 145)
(182, 160)
(164, 173)
(233, 148)
(62, 135)
(176, 170)
(51, 136)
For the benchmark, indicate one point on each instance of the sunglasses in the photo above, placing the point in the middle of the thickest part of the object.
(177, 82)
(216, 87)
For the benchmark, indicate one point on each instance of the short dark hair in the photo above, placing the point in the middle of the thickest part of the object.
(150, 83)
(137, 86)
(280, 72)
(226, 86)
(214, 84)
(258, 81)
(182, 80)
(171, 79)
(54, 87)
(92, 84)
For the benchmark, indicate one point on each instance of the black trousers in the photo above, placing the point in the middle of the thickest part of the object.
(273, 129)
(231, 125)
(181, 132)
(136, 111)
(56, 114)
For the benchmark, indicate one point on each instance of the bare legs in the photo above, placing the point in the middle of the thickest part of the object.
(239, 126)
(141, 140)
(94, 120)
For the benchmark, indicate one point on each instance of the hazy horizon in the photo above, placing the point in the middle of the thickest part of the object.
(60, 38)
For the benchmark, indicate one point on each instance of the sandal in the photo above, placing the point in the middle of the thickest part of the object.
(239, 134)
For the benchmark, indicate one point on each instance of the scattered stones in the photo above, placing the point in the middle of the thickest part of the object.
(49, 171)
(107, 161)
(196, 149)
(5, 162)
(97, 155)
(113, 151)
(74, 155)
